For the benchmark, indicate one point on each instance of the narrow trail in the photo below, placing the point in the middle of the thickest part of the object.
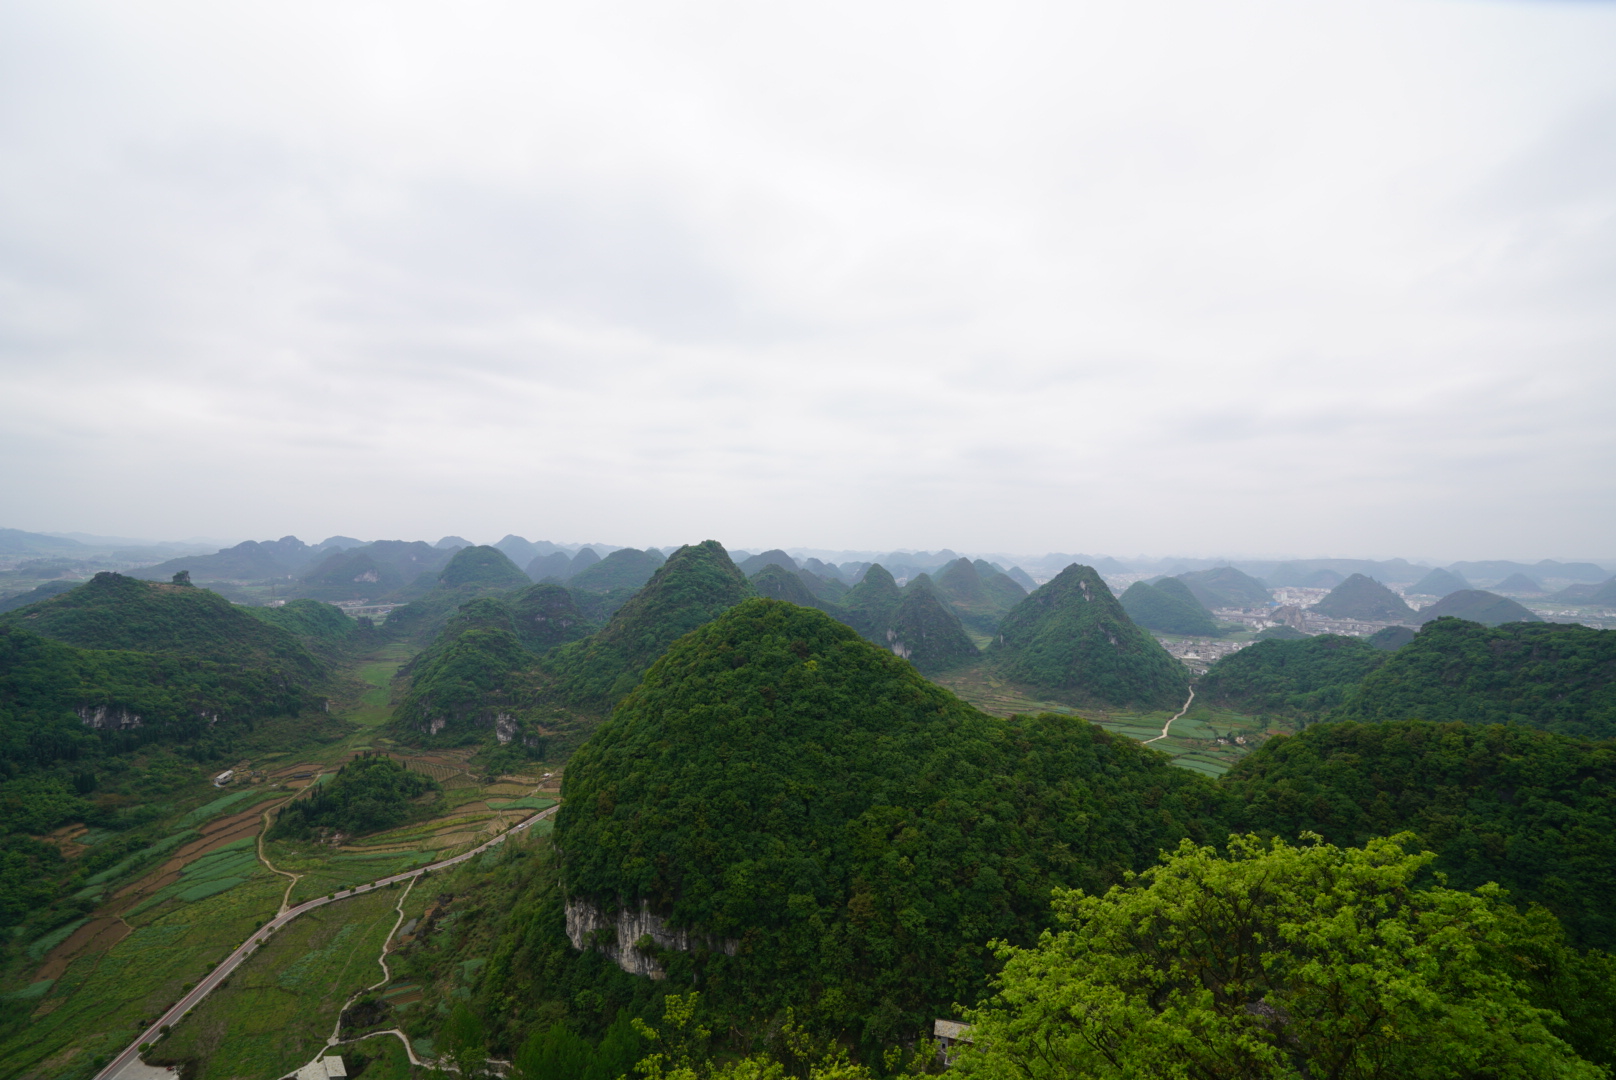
(387, 977)
(1167, 726)
(286, 898)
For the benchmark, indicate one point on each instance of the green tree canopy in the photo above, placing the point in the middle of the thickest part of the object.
(1276, 961)
(367, 795)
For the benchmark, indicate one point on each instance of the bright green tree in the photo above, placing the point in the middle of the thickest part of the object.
(1275, 961)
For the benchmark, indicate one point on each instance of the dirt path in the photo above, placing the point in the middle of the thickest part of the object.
(387, 977)
(1168, 726)
(286, 897)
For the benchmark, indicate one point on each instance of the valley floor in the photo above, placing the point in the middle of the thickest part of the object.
(1206, 739)
(211, 881)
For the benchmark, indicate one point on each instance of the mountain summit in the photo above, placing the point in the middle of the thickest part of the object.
(1364, 598)
(1071, 637)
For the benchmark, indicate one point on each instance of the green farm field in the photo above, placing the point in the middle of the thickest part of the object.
(1205, 739)
(277, 1010)
(101, 1000)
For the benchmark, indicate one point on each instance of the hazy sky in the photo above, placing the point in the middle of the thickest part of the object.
(1201, 277)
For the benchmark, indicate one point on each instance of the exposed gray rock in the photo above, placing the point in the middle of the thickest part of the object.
(624, 935)
(108, 718)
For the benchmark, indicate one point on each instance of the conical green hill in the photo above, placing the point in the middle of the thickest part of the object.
(554, 565)
(1175, 588)
(1072, 638)
(480, 673)
(1159, 607)
(829, 590)
(544, 616)
(1364, 598)
(351, 575)
(696, 583)
(1005, 590)
(1480, 606)
(872, 601)
(1225, 587)
(961, 582)
(583, 560)
(486, 566)
(111, 611)
(778, 583)
(1439, 583)
(1519, 584)
(625, 568)
(778, 782)
(772, 557)
(924, 631)
(979, 600)
(471, 573)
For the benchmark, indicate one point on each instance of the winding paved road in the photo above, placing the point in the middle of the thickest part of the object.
(261, 935)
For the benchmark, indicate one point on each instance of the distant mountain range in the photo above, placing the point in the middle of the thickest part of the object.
(297, 568)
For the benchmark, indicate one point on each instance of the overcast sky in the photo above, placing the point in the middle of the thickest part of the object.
(1202, 277)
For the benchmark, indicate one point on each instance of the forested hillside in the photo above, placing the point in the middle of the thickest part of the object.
(1561, 678)
(696, 583)
(1476, 605)
(780, 781)
(1532, 811)
(1171, 611)
(111, 611)
(1304, 677)
(1361, 597)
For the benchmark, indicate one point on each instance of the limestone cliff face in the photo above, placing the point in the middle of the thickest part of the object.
(631, 938)
(103, 718)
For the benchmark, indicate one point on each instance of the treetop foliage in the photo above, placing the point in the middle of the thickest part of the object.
(1532, 811)
(1554, 676)
(1278, 961)
(1302, 677)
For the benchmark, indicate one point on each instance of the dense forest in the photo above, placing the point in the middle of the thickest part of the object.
(1302, 677)
(862, 833)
